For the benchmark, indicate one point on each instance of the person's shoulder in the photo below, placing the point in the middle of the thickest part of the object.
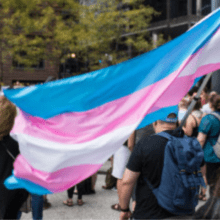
(154, 141)
(208, 117)
(190, 119)
(9, 139)
(151, 138)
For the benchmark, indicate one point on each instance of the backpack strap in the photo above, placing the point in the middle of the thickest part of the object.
(165, 135)
(216, 115)
(195, 120)
(10, 154)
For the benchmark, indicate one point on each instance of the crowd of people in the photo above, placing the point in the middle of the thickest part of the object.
(138, 167)
(146, 160)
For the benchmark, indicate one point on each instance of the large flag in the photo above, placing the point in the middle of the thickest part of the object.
(68, 128)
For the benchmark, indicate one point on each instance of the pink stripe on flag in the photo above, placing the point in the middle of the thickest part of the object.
(181, 86)
(57, 181)
(80, 127)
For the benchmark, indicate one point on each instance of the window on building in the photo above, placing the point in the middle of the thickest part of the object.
(178, 8)
(193, 7)
(206, 7)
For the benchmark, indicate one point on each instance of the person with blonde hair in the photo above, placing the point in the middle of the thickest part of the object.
(183, 106)
(10, 200)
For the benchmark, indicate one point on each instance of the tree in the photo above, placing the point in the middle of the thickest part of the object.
(2, 45)
(101, 34)
(39, 29)
(108, 26)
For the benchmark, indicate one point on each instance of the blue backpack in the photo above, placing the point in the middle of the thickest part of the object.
(181, 176)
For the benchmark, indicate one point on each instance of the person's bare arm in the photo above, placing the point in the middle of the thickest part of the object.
(125, 192)
(202, 138)
(188, 128)
(131, 141)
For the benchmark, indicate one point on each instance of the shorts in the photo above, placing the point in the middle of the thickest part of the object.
(120, 161)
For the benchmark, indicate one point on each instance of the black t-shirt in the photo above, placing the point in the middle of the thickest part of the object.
(147, 158)
(144, 132)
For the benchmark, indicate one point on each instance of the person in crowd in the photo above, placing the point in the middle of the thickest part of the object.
(10, 200)
(182, 108)
(207, 108)
(88, 185)
(93, 182)
(70, 192)
(204, 96)
(211, 209)
(140, 133)
(209, 130)
(37, 203)
(146, 162)
(192, 123)
(193, 91)
(191, 129)
(47, 204)
(120, 161)
(110, 181)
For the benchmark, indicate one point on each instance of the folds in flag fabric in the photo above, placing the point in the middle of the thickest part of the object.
(68, 128)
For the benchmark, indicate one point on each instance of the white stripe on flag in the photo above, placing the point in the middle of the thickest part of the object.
(51, 156)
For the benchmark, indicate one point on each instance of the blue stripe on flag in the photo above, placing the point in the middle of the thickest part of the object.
(88, 91)
(16, 183)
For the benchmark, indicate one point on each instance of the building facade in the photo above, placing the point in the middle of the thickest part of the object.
(177, 16)
(12, 72)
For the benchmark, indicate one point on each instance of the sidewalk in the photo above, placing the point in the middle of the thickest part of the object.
(97, 206)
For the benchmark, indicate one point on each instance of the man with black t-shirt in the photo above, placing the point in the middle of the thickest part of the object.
(146, 162)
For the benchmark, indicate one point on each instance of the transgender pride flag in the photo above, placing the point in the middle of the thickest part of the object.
(68, 128)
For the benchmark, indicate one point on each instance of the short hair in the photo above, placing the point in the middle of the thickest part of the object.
(212, 95)
(216, 103)
(193, 90)
(198, 104)
(184, 103)
(7, 116)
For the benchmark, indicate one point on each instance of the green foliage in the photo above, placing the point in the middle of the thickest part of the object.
(39, 29)
(52, 29)
(111, 24)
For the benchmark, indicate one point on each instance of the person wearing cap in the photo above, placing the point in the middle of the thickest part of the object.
(146, 162)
